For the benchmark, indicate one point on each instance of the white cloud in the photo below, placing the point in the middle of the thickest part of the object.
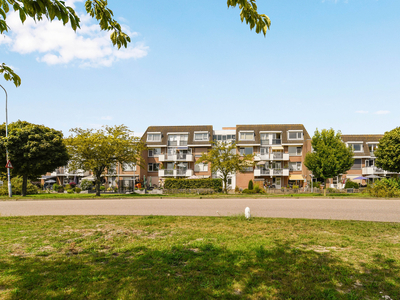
(361, 112)
(382, 112)
(106, 118)
(58, 44)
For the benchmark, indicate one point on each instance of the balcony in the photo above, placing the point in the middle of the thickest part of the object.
(177, 143)
(279, 156)
(271, 172)
(175, 172)
(260, 157)
(175, 157)
(373, 170)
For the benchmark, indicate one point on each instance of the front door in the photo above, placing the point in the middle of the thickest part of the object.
(278, 183)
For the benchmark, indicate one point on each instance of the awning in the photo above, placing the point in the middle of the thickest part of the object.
(296, 177)
(277, 148)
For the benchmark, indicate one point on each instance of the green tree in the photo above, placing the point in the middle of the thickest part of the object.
(55, 9)
(388, 152)
(330, 157)
(100, 150)
(225, 161)
(33, 150)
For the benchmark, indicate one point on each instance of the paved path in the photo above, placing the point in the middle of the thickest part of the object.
(340, 209)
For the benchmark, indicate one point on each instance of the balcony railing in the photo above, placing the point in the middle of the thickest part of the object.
(265, 142)
(177, 143)
(259, 157)
(271, 172)
(276, 142)
(175, 172)
(175, 157)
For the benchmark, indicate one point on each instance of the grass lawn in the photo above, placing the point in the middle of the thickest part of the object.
(121, 257)
(45, 196)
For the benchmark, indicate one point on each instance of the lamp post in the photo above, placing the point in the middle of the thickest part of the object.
(8, 169)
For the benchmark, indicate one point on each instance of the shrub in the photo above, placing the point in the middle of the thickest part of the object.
(67, 187)
(86, 184)
(102, 188)
(115, 189)
(56, 187)
(257, 188)
(70, 191)
(72, 184)
(78, 190)
(16, 185)
(186, 184)
(250, 185)
(351, 185)
(237, 190)
(316, 185)
(385, 188)
(295, 187)
(247, 191)
(110, 189)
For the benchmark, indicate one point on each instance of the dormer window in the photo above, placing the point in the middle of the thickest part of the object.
(246, 136)
(154, 137)
(295, 135)
(201, 136)
(357, 147)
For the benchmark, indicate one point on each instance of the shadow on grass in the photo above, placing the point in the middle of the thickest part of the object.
(201, 271)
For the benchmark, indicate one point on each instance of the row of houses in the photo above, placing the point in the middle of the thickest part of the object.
(279, 152)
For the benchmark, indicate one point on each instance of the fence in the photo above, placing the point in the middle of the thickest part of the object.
(189, 191)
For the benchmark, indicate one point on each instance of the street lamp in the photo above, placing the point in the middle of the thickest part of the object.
(8, 169)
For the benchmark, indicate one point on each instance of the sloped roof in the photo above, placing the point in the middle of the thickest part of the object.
(272, 127)
(190, 129)
(365, 138)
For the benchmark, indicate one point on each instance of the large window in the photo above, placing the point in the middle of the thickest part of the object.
(246, 136)
(201, 167)
(295, 166)
(154, 137)
(295, 135)
(201, 136)
(295, 151)
(357, 147)
(246, 150)
(129, 167)
(153, 167)
(154, 152)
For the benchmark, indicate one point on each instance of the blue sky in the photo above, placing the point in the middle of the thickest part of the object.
(324, 64)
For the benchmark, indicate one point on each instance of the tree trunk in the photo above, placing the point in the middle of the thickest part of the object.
(325, 181)
(24, 185)
(225, 184)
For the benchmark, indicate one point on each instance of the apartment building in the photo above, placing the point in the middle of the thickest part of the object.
(279, 154)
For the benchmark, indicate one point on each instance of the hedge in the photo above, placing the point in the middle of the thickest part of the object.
(185, 184)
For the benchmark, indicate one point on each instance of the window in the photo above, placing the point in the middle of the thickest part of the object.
(201, 167)
(246, 150)
(295, 135)
(264, 151)
(295, 151)
(129, 167)
(372, 148)
(357, 164)
(247, 169)
(246, 136)
(295, 166)
(154, 152)
(201, 136)
(153, 167)
(154, 137)
(356, 147)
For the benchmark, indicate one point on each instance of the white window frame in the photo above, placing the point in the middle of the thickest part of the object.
(152, 134)
(295, 154)
(244, 150)
(350, 145)
(128, 167)
(152, 167)
(298, 165)
(152, 154)
(297, 135)
(205, 136)
(246, 132)
(201, 167)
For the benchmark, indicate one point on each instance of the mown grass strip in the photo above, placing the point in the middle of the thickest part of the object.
(121, 257)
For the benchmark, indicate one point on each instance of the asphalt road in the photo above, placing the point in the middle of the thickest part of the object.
(338, 209)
